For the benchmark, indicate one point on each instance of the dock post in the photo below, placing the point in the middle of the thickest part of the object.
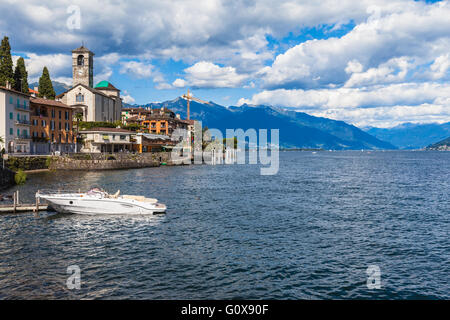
(14, 201)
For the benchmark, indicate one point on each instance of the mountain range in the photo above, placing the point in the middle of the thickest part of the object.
(412, 136)
(441, 145)
(59, 87)
(297, 129)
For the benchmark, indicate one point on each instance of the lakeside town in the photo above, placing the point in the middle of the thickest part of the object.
(86, 119)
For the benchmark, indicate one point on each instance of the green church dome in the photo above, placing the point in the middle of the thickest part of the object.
(105, 85)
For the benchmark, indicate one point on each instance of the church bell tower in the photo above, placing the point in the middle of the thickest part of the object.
(83, 67)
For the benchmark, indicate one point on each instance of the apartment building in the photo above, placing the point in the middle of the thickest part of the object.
(14, 121)
(51, 127)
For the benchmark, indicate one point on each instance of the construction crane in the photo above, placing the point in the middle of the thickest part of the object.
(190, 98)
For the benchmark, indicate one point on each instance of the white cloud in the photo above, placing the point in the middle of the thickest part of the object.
(205, 74)
(137, 69)
(375, 105)
(414, 31)
(179, 83)
(440, 67)
(58, 65)
(127, 98)
(393, 70)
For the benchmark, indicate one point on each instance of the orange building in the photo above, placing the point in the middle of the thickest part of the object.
(51, 126)
(156, 121)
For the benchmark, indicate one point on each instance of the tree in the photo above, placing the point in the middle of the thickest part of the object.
(21, 76)
(45, 85)
(6, 64)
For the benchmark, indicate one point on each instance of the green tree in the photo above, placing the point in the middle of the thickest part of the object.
(6, 64)
(21, 76)
(45, 85)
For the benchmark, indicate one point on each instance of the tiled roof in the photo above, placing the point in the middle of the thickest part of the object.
(120, 130)
(86, 87)
(48, 102)
(14, 91)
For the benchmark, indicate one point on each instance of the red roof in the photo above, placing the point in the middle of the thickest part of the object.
(48, 102)
(33, 91)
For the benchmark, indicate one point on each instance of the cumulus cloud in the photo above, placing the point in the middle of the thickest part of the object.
(415, 31)
(205, 74)
(376, 105)
(127, 98)
(137, 69)
(231, 33)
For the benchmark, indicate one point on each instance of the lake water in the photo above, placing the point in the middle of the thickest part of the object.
(309, 232)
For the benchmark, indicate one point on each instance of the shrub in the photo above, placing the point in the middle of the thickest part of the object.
(20, 177)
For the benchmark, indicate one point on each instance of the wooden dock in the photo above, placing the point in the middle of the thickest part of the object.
(17, 207)
(20, 208)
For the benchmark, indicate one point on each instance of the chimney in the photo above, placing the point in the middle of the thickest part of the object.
(8, 85)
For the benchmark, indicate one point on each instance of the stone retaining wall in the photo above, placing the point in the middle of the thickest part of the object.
(116, 161)
(6, 178)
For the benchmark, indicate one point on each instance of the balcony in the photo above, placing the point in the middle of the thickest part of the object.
(22, 107)
(23, 122)
(23, 137)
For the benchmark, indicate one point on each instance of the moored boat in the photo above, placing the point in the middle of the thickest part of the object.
(98, 201)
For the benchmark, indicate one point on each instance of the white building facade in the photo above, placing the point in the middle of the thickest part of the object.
(15, 121)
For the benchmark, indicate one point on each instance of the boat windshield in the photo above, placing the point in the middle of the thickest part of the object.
(96, 191)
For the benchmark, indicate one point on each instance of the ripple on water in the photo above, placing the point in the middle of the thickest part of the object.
(308, 232)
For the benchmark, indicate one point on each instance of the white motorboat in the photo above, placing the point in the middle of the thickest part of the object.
(98, 201)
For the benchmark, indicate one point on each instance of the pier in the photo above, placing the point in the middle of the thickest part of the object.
(17, 207)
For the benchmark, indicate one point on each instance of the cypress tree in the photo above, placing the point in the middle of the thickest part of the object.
(6, 64)
(46, 86)
(21, 76)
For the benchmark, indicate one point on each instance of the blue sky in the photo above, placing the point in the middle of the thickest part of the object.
(370, 63)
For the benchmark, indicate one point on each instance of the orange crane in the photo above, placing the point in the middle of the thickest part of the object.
(190, 98)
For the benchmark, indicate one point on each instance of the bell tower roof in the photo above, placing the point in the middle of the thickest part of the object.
(82, 49)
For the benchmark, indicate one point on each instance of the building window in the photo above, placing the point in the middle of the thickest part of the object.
(53, 113)
(44, 124)
(18, 132)
(60, 114)
(52, 125)
(11, 100)
(80, 60)
(67, 126)
(18, 117)
(80, 97)
(67, 138)
(123, 137)
(43, 134)
(11, 115)
(67, 115)
(60, 126)
(53, 137)
(11, 131)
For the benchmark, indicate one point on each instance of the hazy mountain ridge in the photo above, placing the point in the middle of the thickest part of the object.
(441, 145)
(412, 136)
(297, 129)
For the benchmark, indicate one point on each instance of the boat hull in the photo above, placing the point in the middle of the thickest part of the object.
(95, 206)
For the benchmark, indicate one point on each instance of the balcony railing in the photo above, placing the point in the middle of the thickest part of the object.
(23, 122)
(23, 136)
(22, 107)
